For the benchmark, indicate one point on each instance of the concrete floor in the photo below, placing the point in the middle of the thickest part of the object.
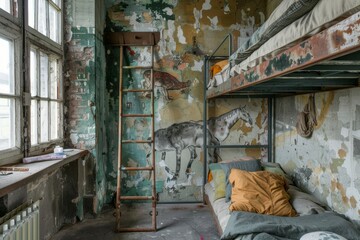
(174, 221)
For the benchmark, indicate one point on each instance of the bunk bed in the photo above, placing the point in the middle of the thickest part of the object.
(321, 52)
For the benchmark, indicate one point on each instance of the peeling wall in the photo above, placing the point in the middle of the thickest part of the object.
(327, 164)
(188, 30)
(84, 87)
(54, 189)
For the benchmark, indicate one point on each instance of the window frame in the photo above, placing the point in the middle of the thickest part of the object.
(12, 32)
(50, 47)
(51, 55)
(24, 38)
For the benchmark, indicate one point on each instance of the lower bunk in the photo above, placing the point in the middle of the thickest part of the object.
(308, 219)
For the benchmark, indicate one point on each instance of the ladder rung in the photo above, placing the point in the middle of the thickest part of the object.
(137, 115)
(137, 198)
(137, 229)
(137, 168)
(137, 67)
(137, 90)
(136, 141)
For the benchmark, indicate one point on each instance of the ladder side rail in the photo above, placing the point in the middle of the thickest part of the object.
(118, 190)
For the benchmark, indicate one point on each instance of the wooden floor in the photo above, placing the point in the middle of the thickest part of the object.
(175, 222)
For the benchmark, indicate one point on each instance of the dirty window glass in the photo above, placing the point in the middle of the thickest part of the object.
(7, 96)
(46, 94)
(45, 17)
(10, 6)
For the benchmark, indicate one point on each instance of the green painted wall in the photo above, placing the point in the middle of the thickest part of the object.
(84, 80)
(188, 31)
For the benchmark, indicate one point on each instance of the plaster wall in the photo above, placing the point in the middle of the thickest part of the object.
(328, 163)
(188, 31)
(58, 195)
(84, 80)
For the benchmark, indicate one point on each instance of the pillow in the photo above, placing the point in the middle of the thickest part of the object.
(276, 168)
(251, 166)
(286, 13)
(218, 178)
(218, 67)
(260, 192)
(304, 203)
(322, 235)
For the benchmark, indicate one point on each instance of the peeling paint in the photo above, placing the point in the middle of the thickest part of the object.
(180, 35)
(327, 157)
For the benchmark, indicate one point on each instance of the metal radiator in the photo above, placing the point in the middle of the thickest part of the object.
(21, 224)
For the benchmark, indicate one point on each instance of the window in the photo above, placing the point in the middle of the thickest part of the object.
(8, 96)
(31, 101)
(10, 6)
(46, 96)
(45, 17)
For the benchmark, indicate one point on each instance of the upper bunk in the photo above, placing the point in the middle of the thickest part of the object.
(325, 61)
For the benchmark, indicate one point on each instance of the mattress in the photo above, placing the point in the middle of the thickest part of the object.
(219, 206)
(325, 14)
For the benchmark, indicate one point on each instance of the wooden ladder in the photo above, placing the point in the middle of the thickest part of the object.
(136, 40)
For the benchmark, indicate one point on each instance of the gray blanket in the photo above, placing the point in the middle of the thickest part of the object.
(266, 227)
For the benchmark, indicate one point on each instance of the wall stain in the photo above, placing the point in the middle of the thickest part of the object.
(326, 104)
(335, 164)
(353, 202)
(342, 153)
(342, 191)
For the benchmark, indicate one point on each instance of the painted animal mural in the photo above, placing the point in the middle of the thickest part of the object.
(189, 135)
(180, 136)
(220, 126)
(163, 82)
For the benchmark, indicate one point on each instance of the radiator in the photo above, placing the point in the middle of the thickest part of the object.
(21, 224)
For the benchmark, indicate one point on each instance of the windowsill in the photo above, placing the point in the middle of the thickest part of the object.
(9, 183)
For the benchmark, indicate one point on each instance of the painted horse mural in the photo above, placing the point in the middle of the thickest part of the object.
(220, 126)
(180, 136)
